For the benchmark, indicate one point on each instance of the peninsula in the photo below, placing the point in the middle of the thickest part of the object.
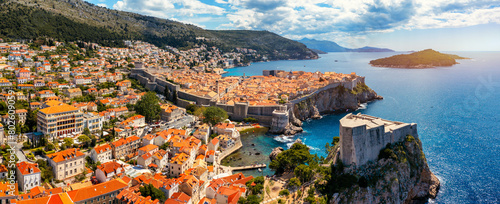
(423, 59)
(277, 99)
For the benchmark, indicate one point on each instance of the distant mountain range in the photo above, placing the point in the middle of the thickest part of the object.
(329, 46)
(77, 20)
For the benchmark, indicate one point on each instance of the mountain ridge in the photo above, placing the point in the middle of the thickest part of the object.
(74, 20)
(330, 46)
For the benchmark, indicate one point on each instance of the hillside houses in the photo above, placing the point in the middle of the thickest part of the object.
(102, 154)
(74, 92)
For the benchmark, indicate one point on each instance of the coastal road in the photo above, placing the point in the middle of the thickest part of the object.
(184, 121)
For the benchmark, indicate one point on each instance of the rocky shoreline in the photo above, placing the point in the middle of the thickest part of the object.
(330, 101)
(405, 177)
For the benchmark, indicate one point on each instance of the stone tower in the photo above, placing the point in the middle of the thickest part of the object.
(363, 136)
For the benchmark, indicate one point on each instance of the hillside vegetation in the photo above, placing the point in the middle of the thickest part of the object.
(71, 20)
(423, 59)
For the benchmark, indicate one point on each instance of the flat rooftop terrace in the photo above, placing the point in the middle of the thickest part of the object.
(352, 121)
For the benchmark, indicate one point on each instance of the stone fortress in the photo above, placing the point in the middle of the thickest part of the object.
(363, 136)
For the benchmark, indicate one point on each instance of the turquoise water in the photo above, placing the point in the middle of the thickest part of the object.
(456, 108)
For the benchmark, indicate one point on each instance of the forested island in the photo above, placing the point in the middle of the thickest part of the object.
(423, 59)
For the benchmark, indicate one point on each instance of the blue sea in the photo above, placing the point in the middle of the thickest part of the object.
(457, 110)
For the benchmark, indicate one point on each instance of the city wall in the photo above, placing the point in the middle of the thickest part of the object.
(347, 84)
(239, 111)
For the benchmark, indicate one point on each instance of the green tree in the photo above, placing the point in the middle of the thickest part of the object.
(150, 190)
(165, 146)
(85, 140)
(166, 93)
(149, 107)
(81, 176)
(258, 187)
(191, 108)
(174, 97)
(304, 172)
(291, 158)
(86, 131)
(27, 145)
(214, 115)
(31, 119)
(68, 142)
(46, 171)
(251, 199)
(50, 147)
(284, 192)
(294, 182)
(93, 141)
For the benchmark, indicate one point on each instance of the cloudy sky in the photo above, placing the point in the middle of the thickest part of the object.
(445, 25)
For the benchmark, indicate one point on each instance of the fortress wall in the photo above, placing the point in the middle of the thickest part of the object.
(401, 133)
(170, 85)
(228, 108)
(347, 84)
(264, 119)
(151, 86)
(142, 80)
(184, 103)
(346, 146)
(239, 111)
(262, 110)
(329, 86)
(359, 144)
(200, 100)
(150, 76)
(374, 141)
(413, 130)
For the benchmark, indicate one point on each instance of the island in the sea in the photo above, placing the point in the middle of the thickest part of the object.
(423, 59)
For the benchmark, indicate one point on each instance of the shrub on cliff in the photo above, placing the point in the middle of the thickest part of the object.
(387, 153)
(360, 88)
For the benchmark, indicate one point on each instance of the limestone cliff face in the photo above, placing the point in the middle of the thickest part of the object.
(402, 177)
(337, 99)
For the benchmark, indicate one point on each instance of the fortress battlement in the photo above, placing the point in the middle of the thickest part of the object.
(363, 136)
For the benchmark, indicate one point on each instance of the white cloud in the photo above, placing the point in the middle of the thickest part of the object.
(221, 2)
(103, 5)
(171, 9)
(351, 21)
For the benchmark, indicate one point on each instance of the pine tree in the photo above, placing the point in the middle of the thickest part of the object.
(166, 93)
(174, 98)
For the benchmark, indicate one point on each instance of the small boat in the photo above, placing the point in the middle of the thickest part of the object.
(260, 170)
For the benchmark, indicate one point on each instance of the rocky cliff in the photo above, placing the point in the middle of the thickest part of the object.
(333, 100)
(401, 175)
